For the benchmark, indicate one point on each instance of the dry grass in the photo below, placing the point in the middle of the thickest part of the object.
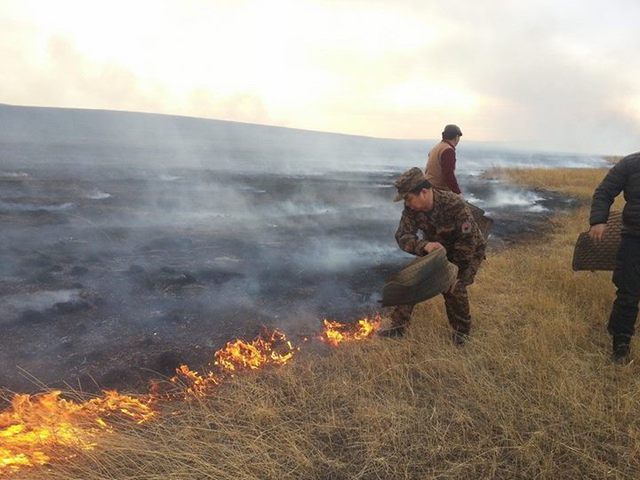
(578, 182)
(533, 395)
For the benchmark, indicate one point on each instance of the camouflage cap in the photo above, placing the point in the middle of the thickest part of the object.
(408, 181)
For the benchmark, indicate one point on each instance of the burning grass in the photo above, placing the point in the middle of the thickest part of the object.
(533, 395)
(336, 333)
(38, 429)
(268, 349)
(42, 429)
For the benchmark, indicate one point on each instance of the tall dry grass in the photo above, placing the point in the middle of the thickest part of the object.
(532, 395)
(578, 182)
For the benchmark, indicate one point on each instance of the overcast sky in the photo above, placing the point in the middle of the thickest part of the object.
(549, 74)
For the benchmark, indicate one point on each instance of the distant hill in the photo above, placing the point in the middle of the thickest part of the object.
(188, 137)
(77, 125)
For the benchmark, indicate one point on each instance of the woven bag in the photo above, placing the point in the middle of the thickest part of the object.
(589, 255)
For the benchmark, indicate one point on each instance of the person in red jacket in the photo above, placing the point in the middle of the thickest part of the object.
(441, 164)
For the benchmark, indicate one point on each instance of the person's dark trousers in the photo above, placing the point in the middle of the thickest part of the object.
(626, 277)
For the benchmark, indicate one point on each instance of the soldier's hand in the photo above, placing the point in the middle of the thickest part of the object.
(431, 246)
(596, 232)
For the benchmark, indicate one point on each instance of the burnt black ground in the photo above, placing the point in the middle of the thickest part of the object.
(130, 242)
(107, 291)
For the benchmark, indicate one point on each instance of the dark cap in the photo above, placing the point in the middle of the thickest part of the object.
(451, 131)
(408, 181)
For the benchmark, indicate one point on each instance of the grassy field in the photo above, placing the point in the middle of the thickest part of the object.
(532, 395)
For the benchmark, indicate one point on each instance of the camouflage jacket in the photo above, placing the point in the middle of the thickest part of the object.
(451, 223)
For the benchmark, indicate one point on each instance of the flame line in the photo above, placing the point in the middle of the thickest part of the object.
(43, 428)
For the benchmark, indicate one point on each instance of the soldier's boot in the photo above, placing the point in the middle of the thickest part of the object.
(621, 349)
(460, 336)
(461, 330)
(400, 318)
(394, 331)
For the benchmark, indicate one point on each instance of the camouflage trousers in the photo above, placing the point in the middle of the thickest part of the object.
(456, 304)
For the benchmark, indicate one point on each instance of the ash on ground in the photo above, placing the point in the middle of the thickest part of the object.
(111, 276)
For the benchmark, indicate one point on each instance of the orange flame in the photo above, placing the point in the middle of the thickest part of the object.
(336, 333)
(236, 356)
(195, 384)
(273, 349)
(39, 428)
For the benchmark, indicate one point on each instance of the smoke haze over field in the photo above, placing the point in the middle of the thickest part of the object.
(550, 75)
(144, 240)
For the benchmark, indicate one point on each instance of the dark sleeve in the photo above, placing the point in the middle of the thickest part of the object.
(606, 192)
(407, 235)
(448, 164)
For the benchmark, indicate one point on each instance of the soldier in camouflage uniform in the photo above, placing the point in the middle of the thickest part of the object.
(435, 219)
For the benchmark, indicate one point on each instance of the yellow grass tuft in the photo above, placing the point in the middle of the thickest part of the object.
(532, 395)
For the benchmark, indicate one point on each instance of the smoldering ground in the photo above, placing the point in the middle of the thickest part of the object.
(117, 270)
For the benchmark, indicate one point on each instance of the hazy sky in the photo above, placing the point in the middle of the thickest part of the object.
(551, 74)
